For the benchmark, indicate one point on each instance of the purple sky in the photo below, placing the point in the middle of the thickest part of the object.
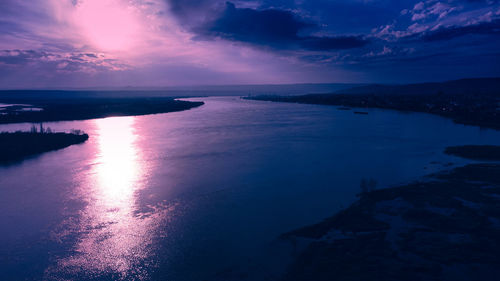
(103, 43)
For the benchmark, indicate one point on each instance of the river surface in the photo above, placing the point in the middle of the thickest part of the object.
(203, 194)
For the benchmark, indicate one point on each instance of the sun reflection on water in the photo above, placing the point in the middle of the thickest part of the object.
(118, 166)
(113, 238)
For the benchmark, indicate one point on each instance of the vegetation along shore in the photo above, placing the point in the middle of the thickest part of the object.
(17, 146)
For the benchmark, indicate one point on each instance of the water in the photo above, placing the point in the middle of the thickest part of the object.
(20, 107)
(200, 194)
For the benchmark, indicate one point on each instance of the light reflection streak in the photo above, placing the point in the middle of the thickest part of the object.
(118, 164)
(113, 238)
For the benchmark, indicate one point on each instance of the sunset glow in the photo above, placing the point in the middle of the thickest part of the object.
(116, 43)
(109, 24)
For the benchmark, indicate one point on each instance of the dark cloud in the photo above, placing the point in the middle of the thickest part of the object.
(447, 33)
(332, 43)
(275, 28)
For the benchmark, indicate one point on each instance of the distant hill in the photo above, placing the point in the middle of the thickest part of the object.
(490, 86)
(185, 91)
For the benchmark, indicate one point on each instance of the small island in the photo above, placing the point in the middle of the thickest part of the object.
(17, 146)
(444, 227)
(45, 106)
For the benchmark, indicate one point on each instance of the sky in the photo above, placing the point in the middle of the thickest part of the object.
(157, 43)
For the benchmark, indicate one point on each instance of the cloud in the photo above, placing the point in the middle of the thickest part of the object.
(438, 20)
(271, 26)
(19, 57)
(332, 43)
(160, 42)
(58, 62)
(279, 29)
(447, 33)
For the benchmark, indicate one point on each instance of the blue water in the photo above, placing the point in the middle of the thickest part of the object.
(202, 194)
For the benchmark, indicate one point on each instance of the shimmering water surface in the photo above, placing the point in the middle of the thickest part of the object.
(202, 194)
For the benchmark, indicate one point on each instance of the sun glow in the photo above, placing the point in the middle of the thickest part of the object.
(111, 25)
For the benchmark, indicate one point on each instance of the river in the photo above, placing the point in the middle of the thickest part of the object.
(202, 194)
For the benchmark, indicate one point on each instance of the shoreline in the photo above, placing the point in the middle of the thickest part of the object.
(484, 114)
(442, 227)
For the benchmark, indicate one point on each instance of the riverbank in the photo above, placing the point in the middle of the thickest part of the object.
(49, 110)
(17, 146)
(468, 101)
(443, 227)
